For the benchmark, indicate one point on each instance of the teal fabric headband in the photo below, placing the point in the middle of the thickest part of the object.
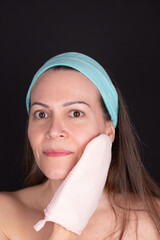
(92, 70)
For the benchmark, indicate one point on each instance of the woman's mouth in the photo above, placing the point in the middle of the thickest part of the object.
(57, 152)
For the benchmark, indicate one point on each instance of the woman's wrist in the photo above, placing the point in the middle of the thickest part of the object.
(60, 233)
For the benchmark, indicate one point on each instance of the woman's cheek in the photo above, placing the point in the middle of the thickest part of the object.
(34, 136)
(83, 135)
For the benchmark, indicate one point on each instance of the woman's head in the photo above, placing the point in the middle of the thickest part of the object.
(65, 114)
(89, 68)
(85, 80)
(80, 71)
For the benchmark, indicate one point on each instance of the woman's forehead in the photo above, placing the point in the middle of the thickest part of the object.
(64, 83)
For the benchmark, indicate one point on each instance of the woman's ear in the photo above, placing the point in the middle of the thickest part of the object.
(110, 130)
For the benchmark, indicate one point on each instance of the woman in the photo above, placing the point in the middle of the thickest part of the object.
(71, 103)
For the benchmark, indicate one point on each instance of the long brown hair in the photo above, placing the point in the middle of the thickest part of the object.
(127, 177)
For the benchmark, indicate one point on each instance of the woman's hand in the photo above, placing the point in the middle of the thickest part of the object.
(60, 233)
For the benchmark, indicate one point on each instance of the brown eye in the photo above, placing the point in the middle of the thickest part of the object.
(41, 114)
(76, 114)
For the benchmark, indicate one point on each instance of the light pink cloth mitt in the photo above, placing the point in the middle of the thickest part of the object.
(77, 197)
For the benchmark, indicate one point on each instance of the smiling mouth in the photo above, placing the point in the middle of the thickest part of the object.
(57, 152)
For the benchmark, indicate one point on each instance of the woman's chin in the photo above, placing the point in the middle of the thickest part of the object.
(57, 174)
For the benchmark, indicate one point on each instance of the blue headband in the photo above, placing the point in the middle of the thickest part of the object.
(92, 70)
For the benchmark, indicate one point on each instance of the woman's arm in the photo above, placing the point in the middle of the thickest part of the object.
(60, 233)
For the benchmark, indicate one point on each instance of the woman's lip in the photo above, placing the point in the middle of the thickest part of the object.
(56, 152)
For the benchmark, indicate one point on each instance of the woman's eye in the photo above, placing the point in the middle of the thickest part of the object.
(40, 114)
(76, 114)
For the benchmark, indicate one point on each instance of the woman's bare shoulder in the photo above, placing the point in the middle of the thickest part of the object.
(21, 198)
(141, 222)
(10, 206)
(7, 202)
(11, 203)
(16, 212)
(11, 199)
(8, 211)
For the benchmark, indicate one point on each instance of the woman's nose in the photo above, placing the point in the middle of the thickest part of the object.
(56, 129)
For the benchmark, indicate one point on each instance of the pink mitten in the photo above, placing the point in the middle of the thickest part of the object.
(77, 197)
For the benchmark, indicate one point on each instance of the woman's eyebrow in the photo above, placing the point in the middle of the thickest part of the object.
(41, 104)
(64, 105)
(75, 102)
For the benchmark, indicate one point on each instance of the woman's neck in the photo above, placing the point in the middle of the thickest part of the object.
(48, 190)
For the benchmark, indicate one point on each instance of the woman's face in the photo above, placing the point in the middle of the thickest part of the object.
(65, 114)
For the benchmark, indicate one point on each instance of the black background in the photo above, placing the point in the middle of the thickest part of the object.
(124, 36)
